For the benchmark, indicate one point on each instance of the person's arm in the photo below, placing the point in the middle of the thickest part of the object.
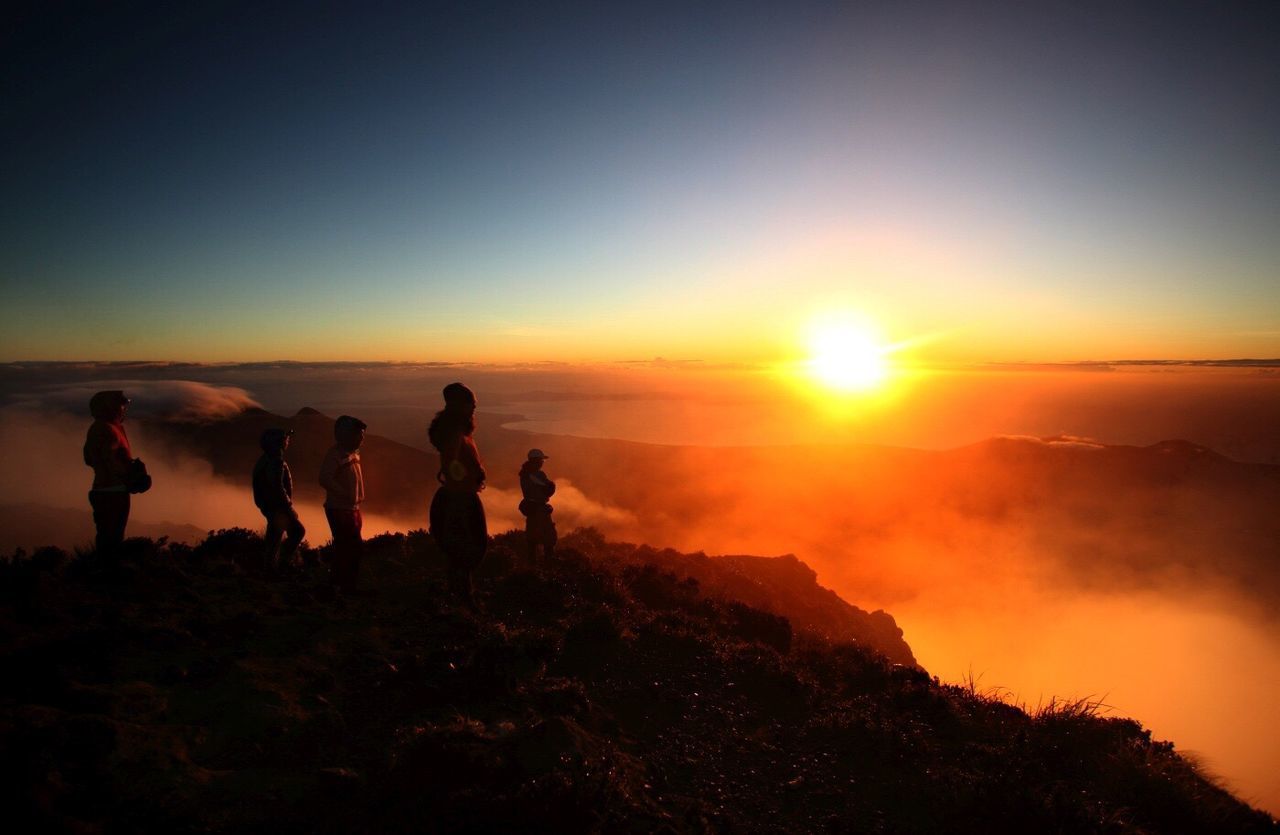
(278, 490)
(286, 482)
(115, 454)
(539, 488)
(477, 463)
(329, 474)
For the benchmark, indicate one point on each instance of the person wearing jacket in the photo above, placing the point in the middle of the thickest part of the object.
(537, 488)
(457, 519)
(107, 451)
(273, 494)
(343, 482)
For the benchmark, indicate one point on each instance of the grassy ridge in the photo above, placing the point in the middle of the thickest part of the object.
(605, 692)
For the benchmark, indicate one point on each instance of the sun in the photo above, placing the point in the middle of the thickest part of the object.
(847, 357)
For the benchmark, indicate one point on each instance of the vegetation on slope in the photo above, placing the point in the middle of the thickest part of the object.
(607, 691)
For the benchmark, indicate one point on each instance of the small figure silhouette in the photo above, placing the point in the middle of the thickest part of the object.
(116, 473)
(273, 494)
(539, 528)
(457, 517)
(343, 481)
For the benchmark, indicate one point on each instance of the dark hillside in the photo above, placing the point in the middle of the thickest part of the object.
(780, 585)
(603, 693)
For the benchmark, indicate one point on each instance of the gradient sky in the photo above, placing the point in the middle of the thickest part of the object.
(533, 181)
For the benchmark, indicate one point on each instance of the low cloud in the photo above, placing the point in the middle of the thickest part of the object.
(44, 447)
(573, 509)
(181, 400)
(1057, 441)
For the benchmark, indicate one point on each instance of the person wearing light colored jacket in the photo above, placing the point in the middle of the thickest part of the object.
(343, 482)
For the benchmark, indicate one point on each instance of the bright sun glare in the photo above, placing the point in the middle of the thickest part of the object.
(846, 357)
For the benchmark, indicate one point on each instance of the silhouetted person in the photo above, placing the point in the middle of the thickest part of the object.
(115, 471)
(457, 515)
(343, 482)
(273, 494)
(537, 488)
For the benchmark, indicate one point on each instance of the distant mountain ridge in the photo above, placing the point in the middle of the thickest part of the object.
(1104, 514)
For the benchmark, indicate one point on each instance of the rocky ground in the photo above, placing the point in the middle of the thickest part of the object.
(612, 690)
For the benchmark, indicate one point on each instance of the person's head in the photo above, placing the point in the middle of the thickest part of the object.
(109, 405)
(536, 457)
(459, 398)
(458, 417)
(275, 441)
(348, 432)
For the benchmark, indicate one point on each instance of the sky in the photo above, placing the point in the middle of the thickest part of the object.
(601, 182)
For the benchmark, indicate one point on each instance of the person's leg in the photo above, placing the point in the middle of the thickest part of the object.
(271, 539)
(542, 534)
(356, 544)
(441, 526)
(122, 515)
(110, 517)
(549, 542)
(296, 532)
(531, 538)
(475, 530)
(453, 542)
(338, 527)
(478, 530)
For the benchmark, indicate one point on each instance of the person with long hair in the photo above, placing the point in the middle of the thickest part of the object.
(458, 522)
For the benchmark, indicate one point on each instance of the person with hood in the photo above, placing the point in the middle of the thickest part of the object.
(273, 494)
(537, 488)
(343, 482)
(116, 473)
(457, 520)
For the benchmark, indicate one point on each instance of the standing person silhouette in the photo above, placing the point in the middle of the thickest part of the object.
(107, 450)
(537, 488)
(273, 494)
(457, 515)
(343, 483)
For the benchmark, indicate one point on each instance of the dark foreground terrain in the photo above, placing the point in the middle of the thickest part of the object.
(606, 692)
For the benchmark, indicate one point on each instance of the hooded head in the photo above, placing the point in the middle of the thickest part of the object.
(348, 431)
(105, 405)
(274, 440)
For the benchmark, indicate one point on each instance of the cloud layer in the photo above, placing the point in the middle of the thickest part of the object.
(182, 400)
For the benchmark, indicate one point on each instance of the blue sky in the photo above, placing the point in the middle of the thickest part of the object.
(603, 181)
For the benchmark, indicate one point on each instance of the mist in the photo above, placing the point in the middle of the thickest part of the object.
(1157, 598)
(1046, 563)
(185, 494)
(44, 436)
